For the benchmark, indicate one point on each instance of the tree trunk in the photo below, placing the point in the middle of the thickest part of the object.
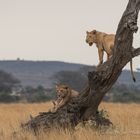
(99, 81)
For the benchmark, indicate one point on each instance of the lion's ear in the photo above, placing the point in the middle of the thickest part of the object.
(94, 31)
(87, 32)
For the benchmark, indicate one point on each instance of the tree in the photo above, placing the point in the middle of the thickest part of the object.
(72, 78)
(37, 94)
(7, 82)
(99, 80)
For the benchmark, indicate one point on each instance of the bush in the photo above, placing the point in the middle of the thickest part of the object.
(6, 98)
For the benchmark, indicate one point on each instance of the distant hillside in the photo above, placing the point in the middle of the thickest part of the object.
(36, 73)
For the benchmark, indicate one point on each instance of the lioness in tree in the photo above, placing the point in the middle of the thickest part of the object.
(104, 42)
(64, 94)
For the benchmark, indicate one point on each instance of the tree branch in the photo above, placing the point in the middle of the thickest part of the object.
(136, 52)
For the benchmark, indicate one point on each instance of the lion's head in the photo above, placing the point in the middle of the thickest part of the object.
(91, 37)
(62, 90)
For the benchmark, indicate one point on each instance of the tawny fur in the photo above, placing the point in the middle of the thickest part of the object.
(104, 43)
(64, 94)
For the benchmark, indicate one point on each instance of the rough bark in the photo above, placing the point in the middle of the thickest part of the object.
(99, 81)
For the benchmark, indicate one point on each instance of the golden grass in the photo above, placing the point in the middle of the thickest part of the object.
(126, 118)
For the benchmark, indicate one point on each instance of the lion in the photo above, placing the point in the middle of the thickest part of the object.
(64, 94)
(104, 43)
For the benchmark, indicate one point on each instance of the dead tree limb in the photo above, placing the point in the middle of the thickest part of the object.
(99, 81)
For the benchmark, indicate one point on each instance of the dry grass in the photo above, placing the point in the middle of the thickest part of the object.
(126, 118)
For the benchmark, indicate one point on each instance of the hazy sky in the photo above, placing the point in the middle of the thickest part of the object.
(56, 29)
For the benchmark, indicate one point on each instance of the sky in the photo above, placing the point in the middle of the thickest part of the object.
(56, 29)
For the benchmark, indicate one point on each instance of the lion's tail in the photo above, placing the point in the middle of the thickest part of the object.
(132, 73)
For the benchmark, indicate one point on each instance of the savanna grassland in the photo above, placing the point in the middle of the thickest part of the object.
(125, 117)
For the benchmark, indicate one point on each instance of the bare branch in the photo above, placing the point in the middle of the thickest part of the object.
(136, 52)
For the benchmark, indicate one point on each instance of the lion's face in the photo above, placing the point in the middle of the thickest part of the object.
(91, 37)
(62, 91)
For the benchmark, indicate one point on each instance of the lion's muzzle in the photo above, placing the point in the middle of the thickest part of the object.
(90, 44)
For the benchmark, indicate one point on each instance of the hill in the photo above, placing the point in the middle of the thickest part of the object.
(36, 73)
